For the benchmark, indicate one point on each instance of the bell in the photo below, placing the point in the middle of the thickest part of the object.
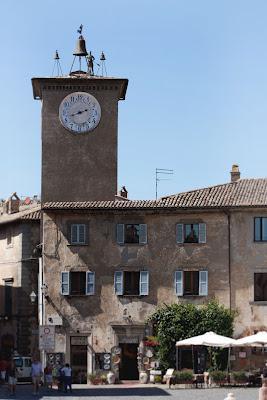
(102, 57)
(80, 47)
(56, 56)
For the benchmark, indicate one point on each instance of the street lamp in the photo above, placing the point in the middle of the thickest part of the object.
(33, 297)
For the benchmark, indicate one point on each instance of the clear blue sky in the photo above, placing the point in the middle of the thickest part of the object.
(197, 95)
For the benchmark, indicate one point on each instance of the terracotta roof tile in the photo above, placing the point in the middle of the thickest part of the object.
(243, 193)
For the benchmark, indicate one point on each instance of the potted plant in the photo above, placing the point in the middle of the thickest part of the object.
(240, 377)
(184, 377)
(157, 379)
(103, 378)
(94, 379)
(218, 377)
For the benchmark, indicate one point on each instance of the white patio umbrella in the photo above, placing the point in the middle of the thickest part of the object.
(257, 340)
(209, 339)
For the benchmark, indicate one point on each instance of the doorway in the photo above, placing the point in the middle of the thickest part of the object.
(78, 359)
(128, 366)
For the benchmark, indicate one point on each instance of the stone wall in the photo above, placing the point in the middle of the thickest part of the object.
(103, 312)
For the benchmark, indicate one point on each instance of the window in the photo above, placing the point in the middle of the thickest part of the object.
(131, 233)
(260, 286)
(191, 283)
(191, 233)
(78, 234)
(8, 296)
(77, 283)
(131, 283)
(260, 229)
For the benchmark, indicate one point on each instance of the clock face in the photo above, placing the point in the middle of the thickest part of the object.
(79, 112)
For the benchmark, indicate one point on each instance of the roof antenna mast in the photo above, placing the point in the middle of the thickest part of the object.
(159, 173)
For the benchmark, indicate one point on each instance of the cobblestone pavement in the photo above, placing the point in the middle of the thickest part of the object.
(133, 392)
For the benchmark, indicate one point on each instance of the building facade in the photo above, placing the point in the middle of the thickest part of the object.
(108, 262)
(108, 265)
(19, 236)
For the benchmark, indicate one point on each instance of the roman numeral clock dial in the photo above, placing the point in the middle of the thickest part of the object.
(79, 112)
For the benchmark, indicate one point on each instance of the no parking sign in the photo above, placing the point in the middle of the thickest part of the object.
(47, 338)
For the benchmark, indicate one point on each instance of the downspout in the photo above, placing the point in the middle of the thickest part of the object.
(229, 257)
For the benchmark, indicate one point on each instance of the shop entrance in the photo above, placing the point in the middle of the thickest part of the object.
(78, 358)
(128, 366)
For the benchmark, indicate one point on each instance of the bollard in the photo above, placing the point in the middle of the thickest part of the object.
(263, 390)
(230, 396)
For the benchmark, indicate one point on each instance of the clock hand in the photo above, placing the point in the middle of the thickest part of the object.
(79, 112)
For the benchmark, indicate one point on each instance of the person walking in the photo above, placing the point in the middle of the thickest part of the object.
(3, 368)
(67, 377)
(12, 378)
(36, 373)
(48, 376)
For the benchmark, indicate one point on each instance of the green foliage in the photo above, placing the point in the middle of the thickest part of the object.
(185, 376)
(180, 321)
(240, 376)
(157, 379)
(218, 376)
(98, 378)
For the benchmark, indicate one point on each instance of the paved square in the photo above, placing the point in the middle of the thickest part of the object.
(133, 392)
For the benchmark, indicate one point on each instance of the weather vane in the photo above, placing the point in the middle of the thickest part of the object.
(80, 29)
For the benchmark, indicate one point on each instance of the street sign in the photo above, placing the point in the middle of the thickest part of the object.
(47, 338)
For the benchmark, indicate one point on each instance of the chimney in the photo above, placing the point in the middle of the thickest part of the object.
(235, 173)
(12, 204)
(123, 192)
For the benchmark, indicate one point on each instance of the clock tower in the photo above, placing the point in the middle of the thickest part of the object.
(79, 133)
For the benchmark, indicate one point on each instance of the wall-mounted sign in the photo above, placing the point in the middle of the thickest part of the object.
(47, 338)
(79, 340)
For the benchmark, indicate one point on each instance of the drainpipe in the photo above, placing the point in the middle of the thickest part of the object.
(228, 214)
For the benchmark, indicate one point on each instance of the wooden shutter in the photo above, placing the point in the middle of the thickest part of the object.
(74, 234)
(203, 283)
(143, 233)
(81, 233)
(144, 283)
(65, 283)
(118, 283)
(202, 233)
(179, 284)
(179, 233)
(90, 283)
(120, 233)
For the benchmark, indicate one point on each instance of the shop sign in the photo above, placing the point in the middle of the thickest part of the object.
(79, 341)
(129, 339)
(47, 338)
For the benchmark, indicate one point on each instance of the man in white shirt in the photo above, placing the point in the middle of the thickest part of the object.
(36, 373)
(67, 377)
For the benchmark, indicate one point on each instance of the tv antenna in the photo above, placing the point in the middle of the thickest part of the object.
(160, 173)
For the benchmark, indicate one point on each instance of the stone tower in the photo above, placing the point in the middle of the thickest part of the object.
(79, 133)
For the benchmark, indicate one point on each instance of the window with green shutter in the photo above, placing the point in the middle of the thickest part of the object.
(191, 233)
(131, 283)
(78, 233)
(77, 283)
(191, 283)
(131, 233)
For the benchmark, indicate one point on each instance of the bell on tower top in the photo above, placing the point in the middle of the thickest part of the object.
(80, 51)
